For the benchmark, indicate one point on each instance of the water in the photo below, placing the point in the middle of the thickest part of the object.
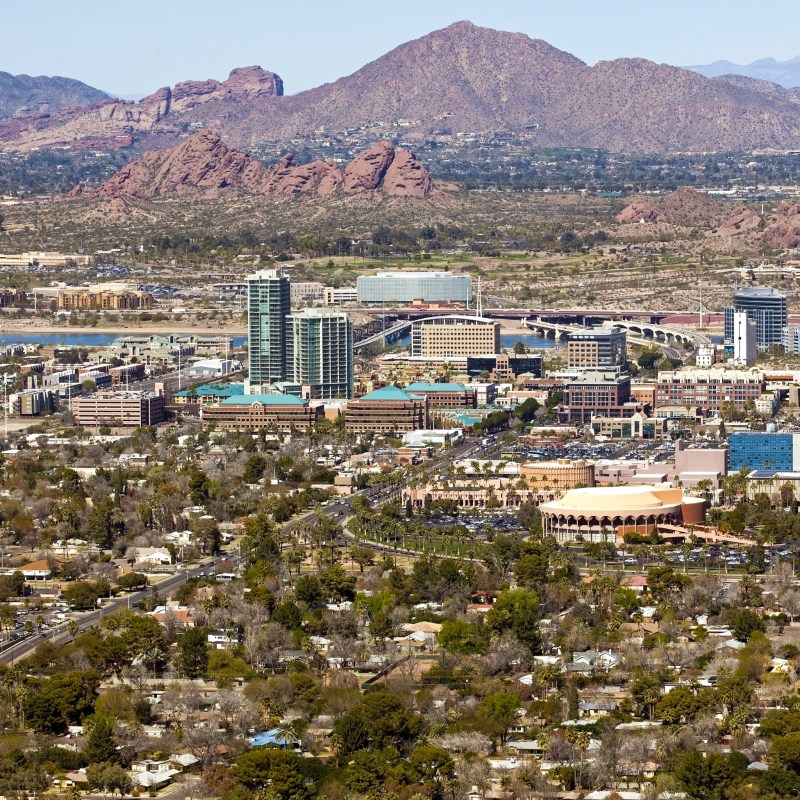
(80, 339)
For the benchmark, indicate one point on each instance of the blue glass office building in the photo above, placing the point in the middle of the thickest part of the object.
(775, 451)
(404, 287)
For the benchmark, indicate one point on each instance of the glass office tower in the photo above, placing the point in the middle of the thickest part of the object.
(268, 305)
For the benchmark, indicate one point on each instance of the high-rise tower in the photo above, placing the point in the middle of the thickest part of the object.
(319, 353)
(268, 305)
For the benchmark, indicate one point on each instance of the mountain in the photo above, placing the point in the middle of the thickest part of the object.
(203, 165)
(21, 95)
(784, 73)
(459, 79)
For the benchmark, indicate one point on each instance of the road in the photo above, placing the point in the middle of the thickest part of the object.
(338, 510)
(85, 619)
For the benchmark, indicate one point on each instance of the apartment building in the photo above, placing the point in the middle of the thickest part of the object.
(597, 348)
(708, 389)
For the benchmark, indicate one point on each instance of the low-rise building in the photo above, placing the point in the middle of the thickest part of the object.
(387, 410)
(637, 426)
(118, 409)
(207, 394)
(279, 412)
(606, 513)
(341, 296)
(103, 297)
(32, 402)
(709, 389)
(444, 395)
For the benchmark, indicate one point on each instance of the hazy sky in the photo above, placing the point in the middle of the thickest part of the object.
(136, 47)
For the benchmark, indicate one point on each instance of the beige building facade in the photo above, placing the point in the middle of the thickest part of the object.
(454, 336)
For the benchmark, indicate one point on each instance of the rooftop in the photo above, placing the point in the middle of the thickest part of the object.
(422, 386)
(387, 394)
(213, 390)
(264, 400)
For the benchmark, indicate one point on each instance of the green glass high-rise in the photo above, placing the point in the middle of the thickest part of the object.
(268, 305)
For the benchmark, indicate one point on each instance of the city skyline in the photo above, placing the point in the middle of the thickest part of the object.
(136, 50)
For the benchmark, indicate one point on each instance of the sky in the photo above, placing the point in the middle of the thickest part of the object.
(131, 49)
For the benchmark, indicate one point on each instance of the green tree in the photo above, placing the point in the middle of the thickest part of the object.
(678, 705)
(308, 590)
(646, 692)
(193, 652)
(254, 468)
(709, 776)
(100, 744)
(517, 610)
(745, 622)
(500, 708)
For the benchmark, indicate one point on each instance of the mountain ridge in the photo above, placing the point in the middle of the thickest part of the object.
(459, 79)
(784, 73)
(26, 94)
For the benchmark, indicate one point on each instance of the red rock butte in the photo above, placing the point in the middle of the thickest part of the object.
(203, 164)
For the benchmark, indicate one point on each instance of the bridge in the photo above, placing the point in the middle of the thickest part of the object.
(389, 334)
(647, 332)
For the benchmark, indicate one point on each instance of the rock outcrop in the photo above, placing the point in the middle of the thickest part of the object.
(204, 165)
(366, 172)
(289, 177)
(406, 176)
(684, 207)
(637, 212)
(743, 220)
(785, 231)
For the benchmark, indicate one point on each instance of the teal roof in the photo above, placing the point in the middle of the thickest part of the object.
(213, 390)
(422, 386)
(264, 400)
(387, 393)
(465, 419)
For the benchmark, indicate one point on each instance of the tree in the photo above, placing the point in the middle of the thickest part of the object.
(517, 610)
(193, 652)
(132, 580)
(254, 468)
(646, 691)
(281, 771)
(100, 744)
(308, 590)
(679, 705)
(363, 556)
(744, 622)
(708, 776)
(84, 594)
(109, 777)
(460, 637)
(785, 751)
(62, 700)
(199, 487)
(386, 720)
(500, 708)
